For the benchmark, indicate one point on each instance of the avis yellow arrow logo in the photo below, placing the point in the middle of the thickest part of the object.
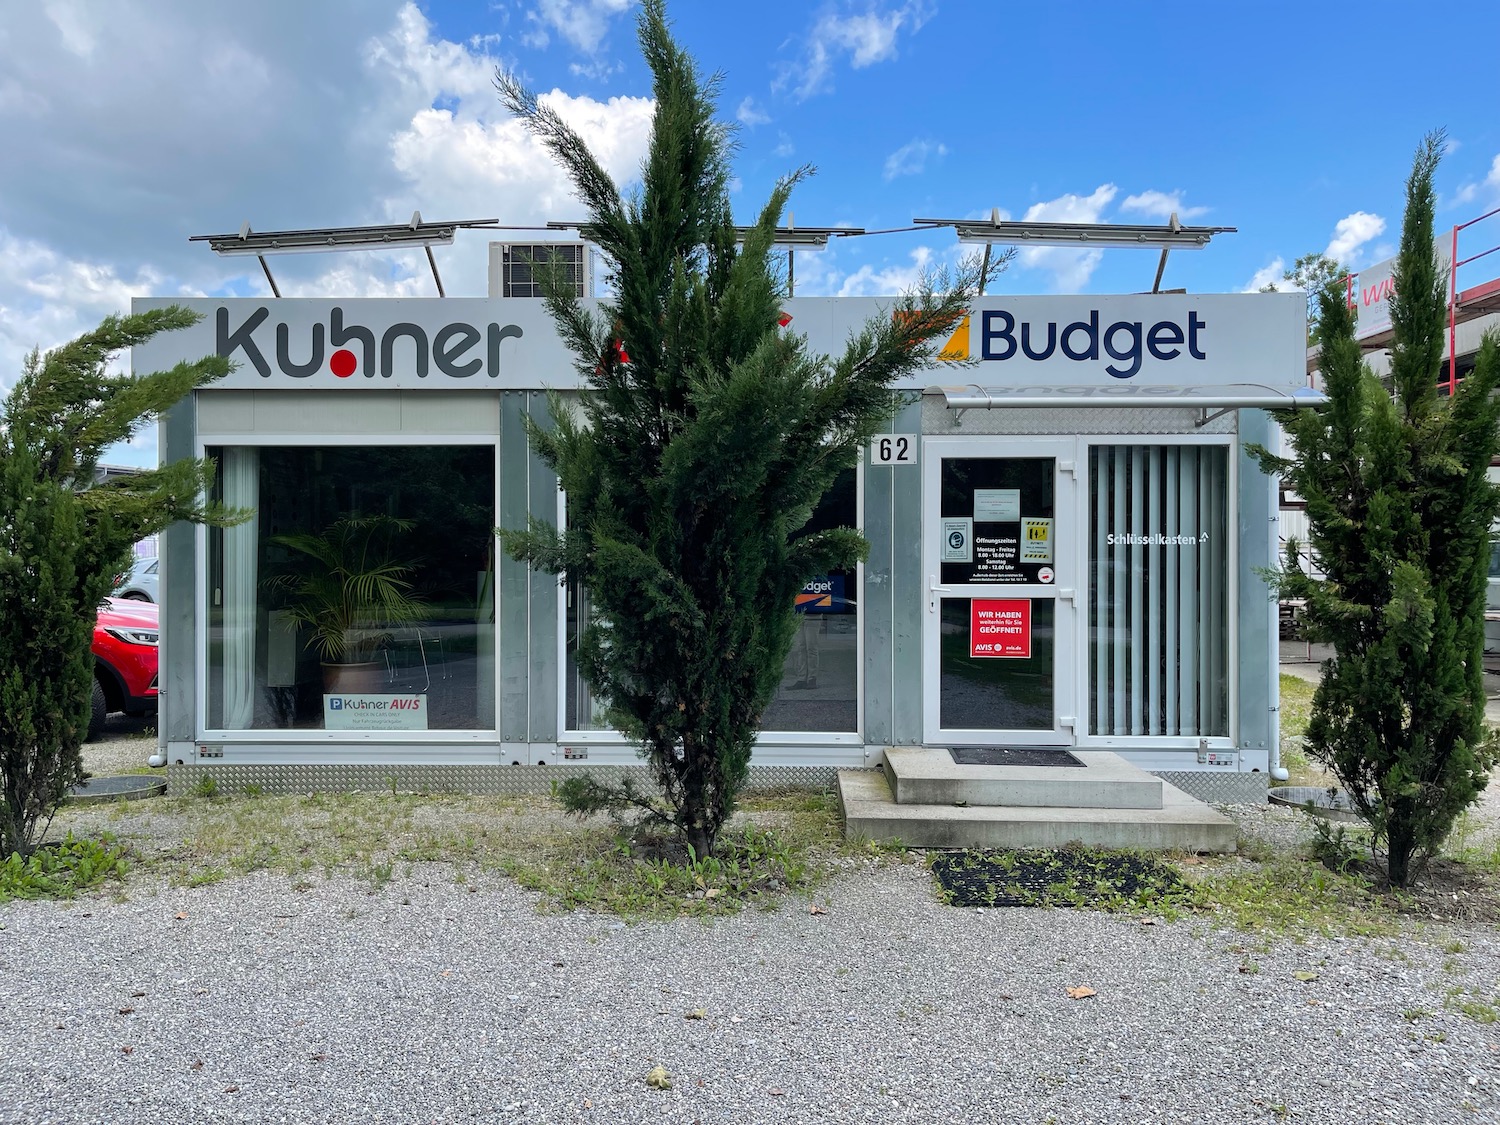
(957, 346)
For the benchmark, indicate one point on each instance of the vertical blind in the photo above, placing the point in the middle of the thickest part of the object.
(1159, 590)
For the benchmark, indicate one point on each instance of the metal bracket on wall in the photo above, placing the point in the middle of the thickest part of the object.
(1205, 416)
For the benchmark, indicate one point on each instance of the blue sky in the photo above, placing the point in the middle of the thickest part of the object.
(131, 124)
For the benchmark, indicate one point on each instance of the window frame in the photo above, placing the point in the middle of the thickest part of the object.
(488, 737)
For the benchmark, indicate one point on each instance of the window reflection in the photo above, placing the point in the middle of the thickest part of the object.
(819, 688)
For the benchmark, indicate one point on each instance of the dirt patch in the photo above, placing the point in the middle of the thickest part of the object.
(1446, 891)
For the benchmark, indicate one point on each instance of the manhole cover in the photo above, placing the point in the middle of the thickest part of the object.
(991, 756)
(129, 787)
(1330, 804)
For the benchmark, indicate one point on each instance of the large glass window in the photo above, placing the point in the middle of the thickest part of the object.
(1159, 590)
(360, 594)
(819, 688)
(820, 681)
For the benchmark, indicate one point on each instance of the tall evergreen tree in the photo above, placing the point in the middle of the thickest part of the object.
(706, 435)
(1399, 511)
(63, 539)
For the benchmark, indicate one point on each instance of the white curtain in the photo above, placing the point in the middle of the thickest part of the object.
(241, 474)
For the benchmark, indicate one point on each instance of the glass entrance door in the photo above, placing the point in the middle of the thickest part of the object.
(998, 546)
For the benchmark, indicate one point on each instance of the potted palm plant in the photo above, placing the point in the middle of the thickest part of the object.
(352, 594)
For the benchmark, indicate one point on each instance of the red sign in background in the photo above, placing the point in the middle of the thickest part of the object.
(1000, 627)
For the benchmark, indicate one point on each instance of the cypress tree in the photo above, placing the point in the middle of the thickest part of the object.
(1399, 512)
(705, 436)
(63, 539)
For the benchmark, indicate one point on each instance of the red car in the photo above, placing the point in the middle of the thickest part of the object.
(125, 637)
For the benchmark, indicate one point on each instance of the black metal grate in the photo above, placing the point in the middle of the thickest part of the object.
(992, 756)
(519, 279)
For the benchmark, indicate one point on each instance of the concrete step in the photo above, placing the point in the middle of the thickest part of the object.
(921, 775)
(1180, 824)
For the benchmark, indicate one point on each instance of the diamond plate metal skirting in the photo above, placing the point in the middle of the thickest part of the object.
(939, 421)
(1218, 788)
(489, 780)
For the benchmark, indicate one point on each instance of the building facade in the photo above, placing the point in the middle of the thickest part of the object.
(1066, 533)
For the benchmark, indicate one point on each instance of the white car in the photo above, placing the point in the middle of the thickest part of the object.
(142, 584)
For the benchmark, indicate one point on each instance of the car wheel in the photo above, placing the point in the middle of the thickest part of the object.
(98, 711)
(136, 596)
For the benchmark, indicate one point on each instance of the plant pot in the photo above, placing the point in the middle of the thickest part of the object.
(367, 678)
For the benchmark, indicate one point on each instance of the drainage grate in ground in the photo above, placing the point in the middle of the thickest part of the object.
(991, 756)
(1071, 876)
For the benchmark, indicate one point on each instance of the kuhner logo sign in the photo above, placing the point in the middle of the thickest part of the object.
(367, 343)
(457, 350)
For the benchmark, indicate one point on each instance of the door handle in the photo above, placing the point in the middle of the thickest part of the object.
(932, 593)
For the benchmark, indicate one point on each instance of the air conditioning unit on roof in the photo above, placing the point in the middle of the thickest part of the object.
(512, 275)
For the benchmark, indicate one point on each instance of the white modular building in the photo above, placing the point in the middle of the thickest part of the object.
(1067, 544)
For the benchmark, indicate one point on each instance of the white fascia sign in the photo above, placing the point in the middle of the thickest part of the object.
(1151, 339)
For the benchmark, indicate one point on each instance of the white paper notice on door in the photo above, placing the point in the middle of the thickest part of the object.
(1036, 540)
(997, 505)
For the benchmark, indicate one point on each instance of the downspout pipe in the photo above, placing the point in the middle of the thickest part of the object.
(1278, 771)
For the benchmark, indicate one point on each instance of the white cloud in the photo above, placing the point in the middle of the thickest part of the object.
(78, 31)
(1070, 269)
(784, 146)
(1467, 193)
(751, 115)
(47, 299)
(596, 70)
(864, 37)
(1350, 233)
(365, 116)
(885, 281)
(1161, 205)
(1269, 275)
(582, 23)
(911, 158)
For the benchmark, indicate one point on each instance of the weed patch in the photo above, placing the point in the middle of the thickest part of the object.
(1293, 897)
(639, 876)
(62, 870)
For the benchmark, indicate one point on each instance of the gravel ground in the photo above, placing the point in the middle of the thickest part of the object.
(436, 1000)
(431, 1000)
